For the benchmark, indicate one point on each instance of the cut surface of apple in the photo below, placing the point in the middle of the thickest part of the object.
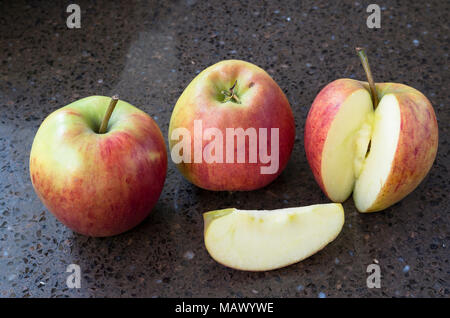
(376, 167)
(346, 145)
(348, 165)
(266, 240)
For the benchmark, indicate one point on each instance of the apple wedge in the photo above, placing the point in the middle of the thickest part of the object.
(380, 151)
(266, 240)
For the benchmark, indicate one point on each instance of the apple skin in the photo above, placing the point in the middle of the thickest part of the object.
(98, 184)
(417, 144)
(268, 108)
(416, 148)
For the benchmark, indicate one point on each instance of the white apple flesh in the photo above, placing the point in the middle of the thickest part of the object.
(373, 172)
(266, 240)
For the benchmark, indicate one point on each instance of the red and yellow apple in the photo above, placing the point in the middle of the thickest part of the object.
(380, 154)
(265, 240)
(232, 96)
(99, 173)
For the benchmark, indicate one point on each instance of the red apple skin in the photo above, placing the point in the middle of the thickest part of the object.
(417, 144)
(268, 109)
(106, 183)
(325, 107)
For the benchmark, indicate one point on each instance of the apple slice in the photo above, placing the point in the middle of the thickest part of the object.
(266, 240)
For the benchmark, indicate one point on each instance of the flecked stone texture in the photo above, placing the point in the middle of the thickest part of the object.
(147, 53)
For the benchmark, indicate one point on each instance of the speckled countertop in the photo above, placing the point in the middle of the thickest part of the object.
(147, 53)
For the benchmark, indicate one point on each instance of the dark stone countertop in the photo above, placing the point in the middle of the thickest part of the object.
(147, 53)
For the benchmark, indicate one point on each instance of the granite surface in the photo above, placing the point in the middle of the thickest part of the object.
(147, 52)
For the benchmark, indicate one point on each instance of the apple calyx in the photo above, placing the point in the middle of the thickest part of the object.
(109, 110)
(365, 63)
(230, 95)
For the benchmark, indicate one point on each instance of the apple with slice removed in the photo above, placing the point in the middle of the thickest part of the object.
(379, 151)
(266, 240)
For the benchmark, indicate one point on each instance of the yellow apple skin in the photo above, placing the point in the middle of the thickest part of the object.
(417, 144)
(416, 148)
(264, 105)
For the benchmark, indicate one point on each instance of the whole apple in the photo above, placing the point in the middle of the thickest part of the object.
(232, 128)
(98, 165)
(376, 140)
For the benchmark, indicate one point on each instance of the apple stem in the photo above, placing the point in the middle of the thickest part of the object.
(229, 95)
(365, 63)
(108, 113)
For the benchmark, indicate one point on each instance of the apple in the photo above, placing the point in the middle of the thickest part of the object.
(232, 128)
(99, 172)
(380, 151)
(266, 240)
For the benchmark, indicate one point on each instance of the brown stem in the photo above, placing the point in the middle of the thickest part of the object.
(365, 63)
(108, 113)
(229, 95)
